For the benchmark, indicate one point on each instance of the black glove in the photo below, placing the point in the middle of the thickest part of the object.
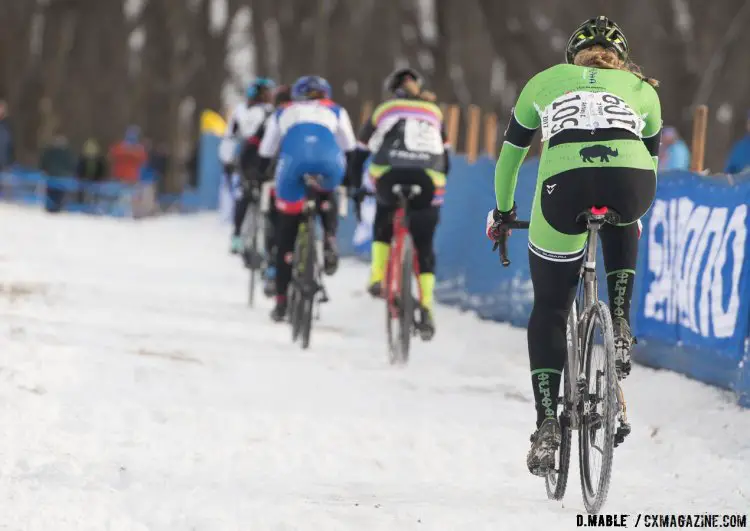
(495, 221)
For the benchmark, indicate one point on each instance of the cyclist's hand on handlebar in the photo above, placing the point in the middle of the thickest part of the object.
(495, 221)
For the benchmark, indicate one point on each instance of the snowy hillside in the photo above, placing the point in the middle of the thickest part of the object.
(138, 392)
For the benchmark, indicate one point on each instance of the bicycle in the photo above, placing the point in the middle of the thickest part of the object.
(401, 270)
(251, 233)
(592, 398)
(307, 266)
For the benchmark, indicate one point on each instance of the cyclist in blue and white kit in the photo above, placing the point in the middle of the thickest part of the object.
(240, 144)
(311, 135)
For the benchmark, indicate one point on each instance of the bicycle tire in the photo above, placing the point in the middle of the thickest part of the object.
(252, 251)
(309, 287)
(391, 310)
(406, 315)
(394, 303)
(556, 481)
(594, 499)
(294, 288)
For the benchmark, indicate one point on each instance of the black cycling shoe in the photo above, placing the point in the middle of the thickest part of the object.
(544, 443)
(375, 289)
(269, 282)
(426, 326)
(624, 342)
(330, 256)
(279, 311)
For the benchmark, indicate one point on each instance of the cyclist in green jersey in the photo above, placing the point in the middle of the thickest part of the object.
(601, 124)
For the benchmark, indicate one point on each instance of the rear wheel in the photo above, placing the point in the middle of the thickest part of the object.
(597, 431)
(251, 253)
(400, 304)
(295, 294)
(391, 311)
(309, 289)
(406, 322)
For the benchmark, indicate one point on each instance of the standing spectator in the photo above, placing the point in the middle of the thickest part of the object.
(57, 160)
(128, 156)
(92, 167)
(6, 138)
(739, 157)
(673, 152)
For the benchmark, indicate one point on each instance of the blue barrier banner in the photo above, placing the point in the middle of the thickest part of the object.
(695, 275)
(209, 171)
(110, 198)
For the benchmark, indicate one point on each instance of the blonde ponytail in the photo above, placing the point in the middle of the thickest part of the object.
(599, 57)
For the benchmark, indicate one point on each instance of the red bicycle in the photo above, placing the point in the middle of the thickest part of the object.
(401, 271)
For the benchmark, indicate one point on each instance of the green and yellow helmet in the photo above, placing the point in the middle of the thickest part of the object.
(597, 31)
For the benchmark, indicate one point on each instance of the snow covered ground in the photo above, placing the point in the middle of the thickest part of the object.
(139, 392)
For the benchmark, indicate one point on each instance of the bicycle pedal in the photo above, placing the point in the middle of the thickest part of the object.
(623, 430)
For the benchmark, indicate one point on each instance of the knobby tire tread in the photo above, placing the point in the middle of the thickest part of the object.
(308, 297)
(599, 316)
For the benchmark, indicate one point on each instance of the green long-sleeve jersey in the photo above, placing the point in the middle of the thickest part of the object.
(566, 97)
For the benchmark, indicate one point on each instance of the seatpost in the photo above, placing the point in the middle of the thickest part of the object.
(589, 264)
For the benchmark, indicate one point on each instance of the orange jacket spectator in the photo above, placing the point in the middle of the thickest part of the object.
(127, 157)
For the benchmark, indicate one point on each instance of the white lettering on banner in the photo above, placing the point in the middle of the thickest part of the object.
(691, 264)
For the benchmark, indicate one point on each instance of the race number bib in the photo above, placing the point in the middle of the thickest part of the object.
(589, 110)
(422, 137)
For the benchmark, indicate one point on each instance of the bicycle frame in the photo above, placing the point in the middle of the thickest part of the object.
(577, 381)
(596, 217)
(393, 269)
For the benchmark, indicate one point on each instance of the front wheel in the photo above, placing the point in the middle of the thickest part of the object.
(600, 406)
(557, 479)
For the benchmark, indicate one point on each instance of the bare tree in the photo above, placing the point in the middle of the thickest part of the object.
(90, 68)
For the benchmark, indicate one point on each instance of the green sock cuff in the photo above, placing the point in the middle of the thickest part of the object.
(551, 371)
(631, 271)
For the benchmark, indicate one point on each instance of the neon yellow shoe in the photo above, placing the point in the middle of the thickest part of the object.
(380, 252)
(426, 325)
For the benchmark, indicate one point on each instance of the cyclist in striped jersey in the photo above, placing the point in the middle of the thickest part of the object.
(406, 140)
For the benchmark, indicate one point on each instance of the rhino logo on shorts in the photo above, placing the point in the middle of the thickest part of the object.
(589, 153)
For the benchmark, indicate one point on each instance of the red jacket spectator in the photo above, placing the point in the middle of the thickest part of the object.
(127, 157)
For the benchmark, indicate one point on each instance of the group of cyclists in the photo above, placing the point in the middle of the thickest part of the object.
(300, 130)
(600, 120)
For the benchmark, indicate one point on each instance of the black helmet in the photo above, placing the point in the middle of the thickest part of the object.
(601, 31)
(394, 80)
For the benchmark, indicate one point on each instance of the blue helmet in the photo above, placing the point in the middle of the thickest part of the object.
(307, 85)
(259, 83)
